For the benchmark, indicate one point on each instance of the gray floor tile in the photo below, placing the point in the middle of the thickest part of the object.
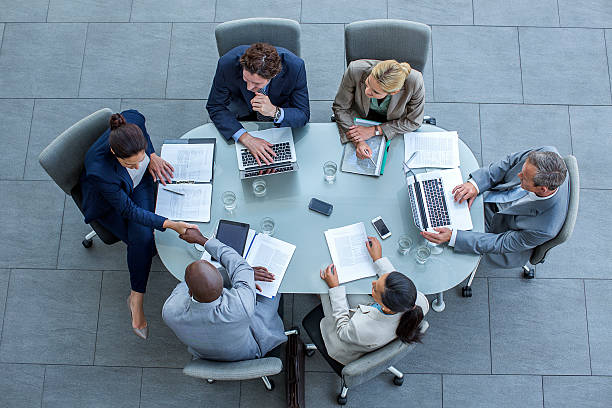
(516, 13)
(14, 130)
(510, 128)
(342, 11)
(544, 50)
(320, 111)
(462, 117)
(50, 118)
(21, 385)
(500, 391)
(67, 386)
(489, 72)
(457, 12)
(162, 387)
(253, 393)
(41, 60)
(421, 390)
(591, 141)
(193, 61)
(89, 10)
(138, 70)
(117, 345)
(585, 13)
(570, 392)
(55, 324)
(532, 332)
(324, 60)
(30, 231)
(23, 11)
(177, 10)
(322, 389)
(235, 9)
(599, 315)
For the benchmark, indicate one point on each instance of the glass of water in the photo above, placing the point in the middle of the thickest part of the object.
(404, 243)
(267, 226)
(422, 254)
(330, 169)
(259, 187)
(229, 201)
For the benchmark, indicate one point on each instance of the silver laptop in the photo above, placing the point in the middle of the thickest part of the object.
(282, 144)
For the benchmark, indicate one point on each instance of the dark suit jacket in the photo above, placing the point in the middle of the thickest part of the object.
(287, 90)
(106, 184)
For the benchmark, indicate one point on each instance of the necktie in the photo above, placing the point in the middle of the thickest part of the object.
(505, 196)
(260, 117)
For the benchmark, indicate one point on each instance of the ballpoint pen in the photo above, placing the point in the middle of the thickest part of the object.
(172, 191)
(372, 161)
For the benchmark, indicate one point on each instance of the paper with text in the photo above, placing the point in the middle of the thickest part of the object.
(434, 149)
(273, 254)
(191, 162)
(352, 164)
(348, 252)
(193, 205)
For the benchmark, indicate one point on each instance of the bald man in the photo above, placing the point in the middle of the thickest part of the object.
(218, 323)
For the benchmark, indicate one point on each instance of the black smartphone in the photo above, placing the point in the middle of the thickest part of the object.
(320, 206)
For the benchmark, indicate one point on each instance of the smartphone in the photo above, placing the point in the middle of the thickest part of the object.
(320, 206)
(381, 228)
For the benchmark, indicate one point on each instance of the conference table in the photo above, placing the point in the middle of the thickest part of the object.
(356, 198)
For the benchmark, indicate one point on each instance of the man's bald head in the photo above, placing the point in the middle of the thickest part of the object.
(204, 281)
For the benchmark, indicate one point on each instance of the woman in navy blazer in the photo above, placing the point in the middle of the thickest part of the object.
(119, 192)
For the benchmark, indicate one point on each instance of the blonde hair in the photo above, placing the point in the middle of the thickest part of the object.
(391, 74)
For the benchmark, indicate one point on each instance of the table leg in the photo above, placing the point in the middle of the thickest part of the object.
(438, 304)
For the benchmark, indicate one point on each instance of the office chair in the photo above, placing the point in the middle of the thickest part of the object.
(401, 40)
(279, 32)
(539, 253)
(63, 160)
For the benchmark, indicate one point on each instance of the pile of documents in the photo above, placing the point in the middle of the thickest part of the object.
(434, 149)
(347, 246)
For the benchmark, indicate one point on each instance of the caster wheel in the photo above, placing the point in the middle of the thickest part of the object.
(466, 291)
(87, 243)
(398, 380)
(272, 385)
(341, 400)
(528, 273)
(310, 353)
(210, 381)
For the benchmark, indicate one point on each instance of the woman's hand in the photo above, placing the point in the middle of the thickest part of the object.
(363, 151)
(358, 133)
(330, 276)
(374, 248)
(160, 169)
(179, 226)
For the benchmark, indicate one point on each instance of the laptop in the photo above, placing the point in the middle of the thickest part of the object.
(282, 144)
(432, 200)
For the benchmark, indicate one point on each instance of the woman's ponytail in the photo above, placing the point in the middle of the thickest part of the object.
(408, 329)
(400, 296)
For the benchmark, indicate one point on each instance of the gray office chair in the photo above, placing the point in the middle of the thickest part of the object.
(63, 160)
(539, 253)
(401, 40)
(279, 32)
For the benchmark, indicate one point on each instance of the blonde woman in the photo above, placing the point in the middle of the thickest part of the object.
(388, 91)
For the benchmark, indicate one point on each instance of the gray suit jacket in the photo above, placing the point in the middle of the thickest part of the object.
(405, 112)
(237, 326)
(513, 232)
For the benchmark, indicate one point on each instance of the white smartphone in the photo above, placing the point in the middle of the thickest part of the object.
(381, 228)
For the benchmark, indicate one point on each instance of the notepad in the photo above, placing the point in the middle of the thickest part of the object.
(349, 253)
(352, 164)
(434, 149)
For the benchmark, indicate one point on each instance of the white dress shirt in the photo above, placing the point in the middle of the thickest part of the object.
(137, 174)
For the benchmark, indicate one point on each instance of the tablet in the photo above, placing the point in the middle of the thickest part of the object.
(233, 234)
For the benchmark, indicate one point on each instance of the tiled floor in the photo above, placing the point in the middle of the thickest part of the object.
(506, 74)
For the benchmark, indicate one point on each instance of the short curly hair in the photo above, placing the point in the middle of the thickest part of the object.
(261, 59)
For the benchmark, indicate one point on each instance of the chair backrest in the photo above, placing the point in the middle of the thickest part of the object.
(63, 158)
(539, 253)
(279, 32)
(401, 40)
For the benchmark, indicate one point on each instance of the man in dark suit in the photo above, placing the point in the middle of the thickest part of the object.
(259, 83)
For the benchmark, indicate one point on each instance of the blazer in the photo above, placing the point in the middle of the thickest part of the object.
(513, 232)
(406, 108)
(106, 185)
(350, 333)
(287, 90)
(236, 326)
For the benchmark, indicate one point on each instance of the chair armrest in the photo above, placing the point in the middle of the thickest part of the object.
(233, 370)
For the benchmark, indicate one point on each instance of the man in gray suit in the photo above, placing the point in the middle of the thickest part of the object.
(218, 323)
(526, 198)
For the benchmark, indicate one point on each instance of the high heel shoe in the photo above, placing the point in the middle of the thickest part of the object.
(142, 333)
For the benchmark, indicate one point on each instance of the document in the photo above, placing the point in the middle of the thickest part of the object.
(348, 252)
(192, 205)
(273, 254)
(351, 164)
(434, 149)
(191, 162)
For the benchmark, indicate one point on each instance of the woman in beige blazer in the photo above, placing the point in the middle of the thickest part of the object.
(389, 92)
(359, 324)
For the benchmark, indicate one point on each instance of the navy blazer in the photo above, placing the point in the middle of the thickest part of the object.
(106, 185)
(287, 90)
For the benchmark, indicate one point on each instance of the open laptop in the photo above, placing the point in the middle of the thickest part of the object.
(432, 200)
(282, 145)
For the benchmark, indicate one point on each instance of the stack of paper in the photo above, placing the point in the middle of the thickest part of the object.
(347, 246)
(434, 149)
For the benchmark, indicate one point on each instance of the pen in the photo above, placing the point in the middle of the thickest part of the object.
(372, 161)
(172, 191)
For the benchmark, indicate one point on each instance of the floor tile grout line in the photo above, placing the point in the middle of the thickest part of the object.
(518, 41)
(42, 392)
(215, 13)
(586, 315)
(608, 62)
(59, 242)
(480, 132)
(140, 394)
(490, 335)
(98, 319)
(25, 163)
(558, 14)
(83, 61)
(48, 7)
(543, 406)
(473, 14)
(2, 40)
(433, 71)
(168, 65)
(301, 9)
(442, 390)
(8, 285)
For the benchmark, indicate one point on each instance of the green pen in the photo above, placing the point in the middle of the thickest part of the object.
(384, 159)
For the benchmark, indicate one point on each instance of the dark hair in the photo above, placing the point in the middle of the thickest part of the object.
(126, 139)
(400, 296)
(261, 59)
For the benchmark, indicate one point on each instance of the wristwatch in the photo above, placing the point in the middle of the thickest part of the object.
(277, 114)
(377, 131)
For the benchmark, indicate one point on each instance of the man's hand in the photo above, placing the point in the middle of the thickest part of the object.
(262, 275)
(374, 248)
(259, 148)
(363, 151)
(330, 276)
(261, 103)
(193, 236)
(443, 235)
(358, 133)
(160, 169)
(465, 191)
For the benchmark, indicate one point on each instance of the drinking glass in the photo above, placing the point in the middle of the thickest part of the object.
(422, 254)
(229, 201)
(259, 187)
(330, 169)
(404, 244)
(267, 226)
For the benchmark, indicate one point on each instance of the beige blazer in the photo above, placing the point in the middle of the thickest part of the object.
(406, 108)
(350, 333)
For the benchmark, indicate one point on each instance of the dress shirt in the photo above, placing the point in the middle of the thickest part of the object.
(137, 174)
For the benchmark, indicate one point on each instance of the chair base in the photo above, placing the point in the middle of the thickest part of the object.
(528, 273)
(268, 383)
(466, 291)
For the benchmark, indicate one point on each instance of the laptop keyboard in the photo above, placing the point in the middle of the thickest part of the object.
(282, 150)
(271, 170)
(436, 204)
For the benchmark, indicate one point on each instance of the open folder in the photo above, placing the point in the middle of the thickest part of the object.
(368, 167)
(188, 197)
